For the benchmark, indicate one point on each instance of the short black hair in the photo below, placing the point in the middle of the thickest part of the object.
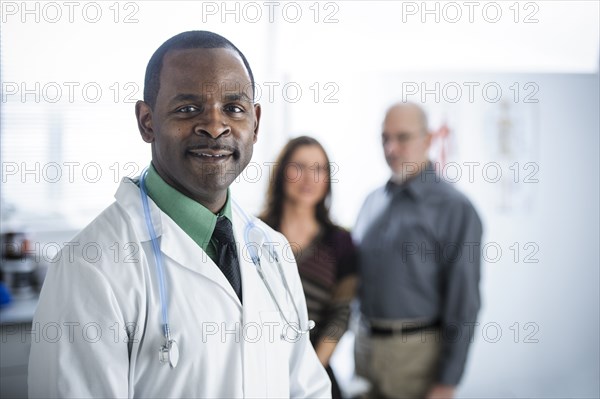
(185, 40)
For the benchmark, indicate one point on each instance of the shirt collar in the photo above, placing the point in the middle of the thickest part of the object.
(193, 218)
(416, 185)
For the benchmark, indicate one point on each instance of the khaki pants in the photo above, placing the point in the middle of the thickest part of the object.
(400, 365)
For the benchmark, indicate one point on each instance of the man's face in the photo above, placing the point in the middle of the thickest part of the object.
(405, 143)
(204, 123)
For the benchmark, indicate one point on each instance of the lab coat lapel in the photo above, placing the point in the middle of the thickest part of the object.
(254, 354)
(178, 246)
(174, 242)
(251, 282)
(129, 198)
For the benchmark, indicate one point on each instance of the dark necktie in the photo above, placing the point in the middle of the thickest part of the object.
(227, 258)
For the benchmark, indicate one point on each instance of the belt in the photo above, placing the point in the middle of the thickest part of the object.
(409, 329)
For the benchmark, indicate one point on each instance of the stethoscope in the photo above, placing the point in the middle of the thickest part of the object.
(169, 351)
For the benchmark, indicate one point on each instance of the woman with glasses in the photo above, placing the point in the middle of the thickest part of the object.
(298, 206)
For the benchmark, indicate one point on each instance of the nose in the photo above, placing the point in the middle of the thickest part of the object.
(390, 148)
(213, 124)
(309, 174)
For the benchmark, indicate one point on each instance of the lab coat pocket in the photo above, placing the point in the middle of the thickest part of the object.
(277, 354)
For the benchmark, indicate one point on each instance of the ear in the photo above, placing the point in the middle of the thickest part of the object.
(257, 112)
(428, 139)
(143, 114)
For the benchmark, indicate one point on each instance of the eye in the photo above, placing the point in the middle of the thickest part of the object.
(235, 109)
(404, 138)
(187, 109)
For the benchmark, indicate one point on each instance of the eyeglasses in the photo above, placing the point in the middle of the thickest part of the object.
(295, 170)
(401, 138)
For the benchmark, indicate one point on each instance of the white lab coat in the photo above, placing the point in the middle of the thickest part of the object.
(97, 329)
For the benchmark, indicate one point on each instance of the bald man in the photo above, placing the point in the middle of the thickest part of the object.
(419, 262)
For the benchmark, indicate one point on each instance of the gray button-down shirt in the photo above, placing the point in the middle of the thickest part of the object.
(419, 258)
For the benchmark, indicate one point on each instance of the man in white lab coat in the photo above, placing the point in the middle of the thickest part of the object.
(99, 329)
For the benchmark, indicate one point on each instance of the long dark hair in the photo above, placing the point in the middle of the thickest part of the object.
(273, 211)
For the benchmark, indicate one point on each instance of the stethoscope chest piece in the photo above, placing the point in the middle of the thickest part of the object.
(169, 353)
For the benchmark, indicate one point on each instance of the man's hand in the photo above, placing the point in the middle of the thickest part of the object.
(441, 392)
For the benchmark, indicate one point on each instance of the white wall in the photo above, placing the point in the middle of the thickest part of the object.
(554, 301)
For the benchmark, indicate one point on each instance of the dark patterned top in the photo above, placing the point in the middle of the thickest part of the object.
(323, 265)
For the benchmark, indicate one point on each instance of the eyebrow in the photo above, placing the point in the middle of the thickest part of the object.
(237, 97)
(395, 132)
(187, 97)
(200, 99)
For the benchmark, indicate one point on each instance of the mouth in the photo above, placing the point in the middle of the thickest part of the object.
(306, 190)
(211, 155)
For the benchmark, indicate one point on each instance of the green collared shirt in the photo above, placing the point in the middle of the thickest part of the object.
(193, 218)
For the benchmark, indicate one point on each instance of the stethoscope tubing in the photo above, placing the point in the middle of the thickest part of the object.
(257, 263)
(162, 291)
